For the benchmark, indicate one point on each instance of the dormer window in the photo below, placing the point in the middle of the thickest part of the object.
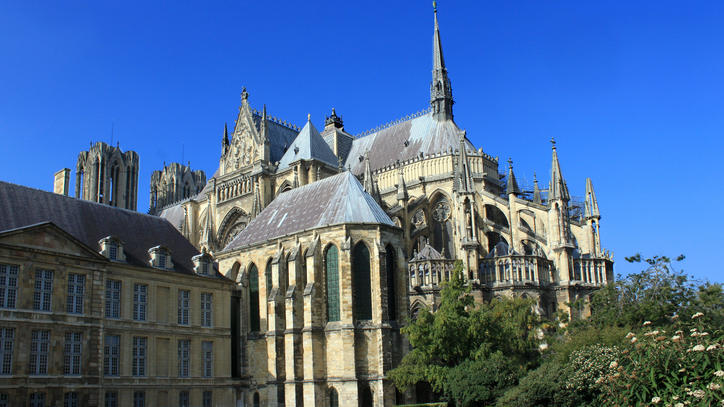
(112, 248)
(203, 263)
(160, 258)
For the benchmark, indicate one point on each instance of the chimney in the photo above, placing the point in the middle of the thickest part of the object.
(61, 183)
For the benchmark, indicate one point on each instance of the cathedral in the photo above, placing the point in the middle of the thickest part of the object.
(337, 238)
(283, 279)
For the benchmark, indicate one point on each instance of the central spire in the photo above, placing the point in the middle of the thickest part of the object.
(441, 99)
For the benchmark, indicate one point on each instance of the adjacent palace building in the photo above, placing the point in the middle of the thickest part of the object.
(284, 279)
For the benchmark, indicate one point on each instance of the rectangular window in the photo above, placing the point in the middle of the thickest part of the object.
(39, 347)
(70, 399)
(7, 340)
(184, 346)
(139, 399)
(161, 260)
(72, 354)
(111, 399)
(183, 399)
(76, 287)
(139, 355)
(140, 297)
(8, 285)
(206, 309)
(4, 400)
(113, 299)
(208, 357)
(113, 251)
(111, 355)
(37, 399)
(183, 306)
(206, 399)
(43, 290)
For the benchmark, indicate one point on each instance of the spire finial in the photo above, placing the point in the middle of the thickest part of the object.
(434, 6)
(309, 117)
(510, 163)
(244, 94)
(553, 142)
(535, 179)
(441, 99)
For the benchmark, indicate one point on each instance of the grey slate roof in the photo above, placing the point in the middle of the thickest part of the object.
(331, 201)
(424, 134)
(427, 253)
(344, 141)
(309, 144)
(280, 137)
(89, 222)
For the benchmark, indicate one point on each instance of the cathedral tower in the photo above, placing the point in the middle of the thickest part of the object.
(107, 175)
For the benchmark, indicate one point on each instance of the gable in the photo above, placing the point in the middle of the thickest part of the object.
(48, 237)
(246, 145)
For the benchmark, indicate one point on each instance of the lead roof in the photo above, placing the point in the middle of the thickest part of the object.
(331, 201)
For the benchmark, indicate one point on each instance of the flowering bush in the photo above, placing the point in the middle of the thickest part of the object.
(656, 367)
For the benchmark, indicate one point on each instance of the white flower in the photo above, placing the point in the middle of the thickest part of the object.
(704, 334)
(719, 373)
(698, 394)
(714, 386)
(694, 334)
(613, 365)
(656, 400)
(543, 346)
(630, 335)
(697, 315)
(633, 340)
(698, 348)
(675, 398)
(647, 323)
(711, 347)
(679, 405)
(676, 338)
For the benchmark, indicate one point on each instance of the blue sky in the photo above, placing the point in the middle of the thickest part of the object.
(632, 91)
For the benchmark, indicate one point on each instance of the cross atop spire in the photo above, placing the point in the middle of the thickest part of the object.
(440, 90)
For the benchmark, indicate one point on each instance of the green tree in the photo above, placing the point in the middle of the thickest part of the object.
(453, 345)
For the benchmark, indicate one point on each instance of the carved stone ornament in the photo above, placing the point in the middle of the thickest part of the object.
(418, 219)
(441, 211)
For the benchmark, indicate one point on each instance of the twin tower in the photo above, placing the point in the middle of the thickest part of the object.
(107, 175)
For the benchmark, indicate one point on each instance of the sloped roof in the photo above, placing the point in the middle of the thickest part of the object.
(331, 201)
(308, 145)
(280, 137)
(344, 141)
(424, 134)
(89, 222)
(427, 253)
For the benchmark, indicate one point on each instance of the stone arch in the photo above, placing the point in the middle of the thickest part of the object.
(234, 222)
(366, 397)
(493, 239)
(255, 400)
(233, 273)
(495, 215)
(415, 309)
(284, 187)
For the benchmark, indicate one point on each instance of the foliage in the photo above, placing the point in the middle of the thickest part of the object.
(677, 368)
(463, 333)
(477, 381)
(653, 338)
(654, 294)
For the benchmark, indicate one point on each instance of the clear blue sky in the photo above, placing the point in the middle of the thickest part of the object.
(632, 90)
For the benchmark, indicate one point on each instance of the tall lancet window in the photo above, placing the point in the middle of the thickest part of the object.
(331, 266)
(362, 286)
(254, 320)
(391, 269)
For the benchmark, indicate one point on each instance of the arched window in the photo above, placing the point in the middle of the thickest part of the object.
(333, 397)
(391, 269)
(268, 276)
(331, 266)
(362, 287)
(254, 320)
(256, 402)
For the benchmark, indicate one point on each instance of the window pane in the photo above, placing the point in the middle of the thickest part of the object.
(254, 320)
(362, 287)
(8, 285)
(332, 279)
